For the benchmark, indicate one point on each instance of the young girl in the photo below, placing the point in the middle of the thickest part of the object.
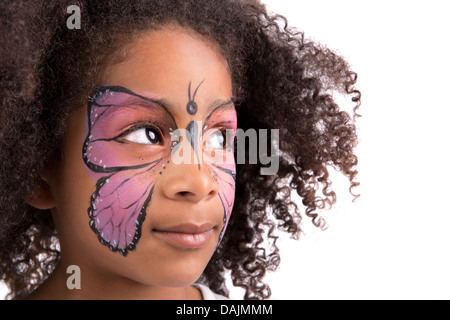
(96, 116)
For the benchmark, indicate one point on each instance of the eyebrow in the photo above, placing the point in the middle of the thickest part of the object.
(161, 102)
(220, 103)
(164, 103)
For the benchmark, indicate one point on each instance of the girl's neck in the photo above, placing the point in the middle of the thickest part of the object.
(95, 287)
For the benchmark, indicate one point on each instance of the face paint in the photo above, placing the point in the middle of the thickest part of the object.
(191, 106)
(125, 178)
(223, 117)
(193, 132)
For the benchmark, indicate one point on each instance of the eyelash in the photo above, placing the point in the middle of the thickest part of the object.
(144, 125)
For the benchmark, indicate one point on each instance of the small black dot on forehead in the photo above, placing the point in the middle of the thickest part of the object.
(192, 107)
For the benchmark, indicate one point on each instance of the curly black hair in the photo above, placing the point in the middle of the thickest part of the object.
(281, 80)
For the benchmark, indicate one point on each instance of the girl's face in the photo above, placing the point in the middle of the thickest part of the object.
(146, 184)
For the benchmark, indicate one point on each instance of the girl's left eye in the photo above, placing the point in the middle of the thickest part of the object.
(144, 136)
(216, 140)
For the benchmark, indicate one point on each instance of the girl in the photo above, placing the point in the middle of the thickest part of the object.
(98, 120)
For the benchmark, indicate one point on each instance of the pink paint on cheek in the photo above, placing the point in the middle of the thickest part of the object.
(124, 181)
(118, 208)
(222, 167)
(227, 185)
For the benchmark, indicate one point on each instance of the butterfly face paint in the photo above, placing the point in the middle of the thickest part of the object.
(220, 124)
(126, 172)
(125, 179)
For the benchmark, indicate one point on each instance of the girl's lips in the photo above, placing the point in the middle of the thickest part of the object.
(186, 236)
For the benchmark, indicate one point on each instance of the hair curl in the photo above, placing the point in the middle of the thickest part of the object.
(282, 81)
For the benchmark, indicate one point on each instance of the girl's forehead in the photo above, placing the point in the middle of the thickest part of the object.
(173, 63)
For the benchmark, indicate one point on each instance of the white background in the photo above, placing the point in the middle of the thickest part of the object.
(393, 243)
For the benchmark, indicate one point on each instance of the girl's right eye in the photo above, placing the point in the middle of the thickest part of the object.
(144, 136)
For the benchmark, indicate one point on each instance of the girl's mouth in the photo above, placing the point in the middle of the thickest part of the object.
(188, 236)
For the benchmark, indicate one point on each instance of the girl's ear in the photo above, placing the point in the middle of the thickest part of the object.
(42, 197)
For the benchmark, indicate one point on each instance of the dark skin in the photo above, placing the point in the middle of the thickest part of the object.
(281, 80)
(161, 62)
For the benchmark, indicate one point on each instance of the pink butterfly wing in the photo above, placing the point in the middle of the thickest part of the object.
(110, 109)
(222, 166)
(118, 207)
(124, 182)
(226, 177)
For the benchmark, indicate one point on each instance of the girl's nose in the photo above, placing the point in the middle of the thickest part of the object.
(188, 177)
(188, 182)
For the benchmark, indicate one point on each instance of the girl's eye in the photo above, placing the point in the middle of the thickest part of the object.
(216, 140)
(144, 136)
